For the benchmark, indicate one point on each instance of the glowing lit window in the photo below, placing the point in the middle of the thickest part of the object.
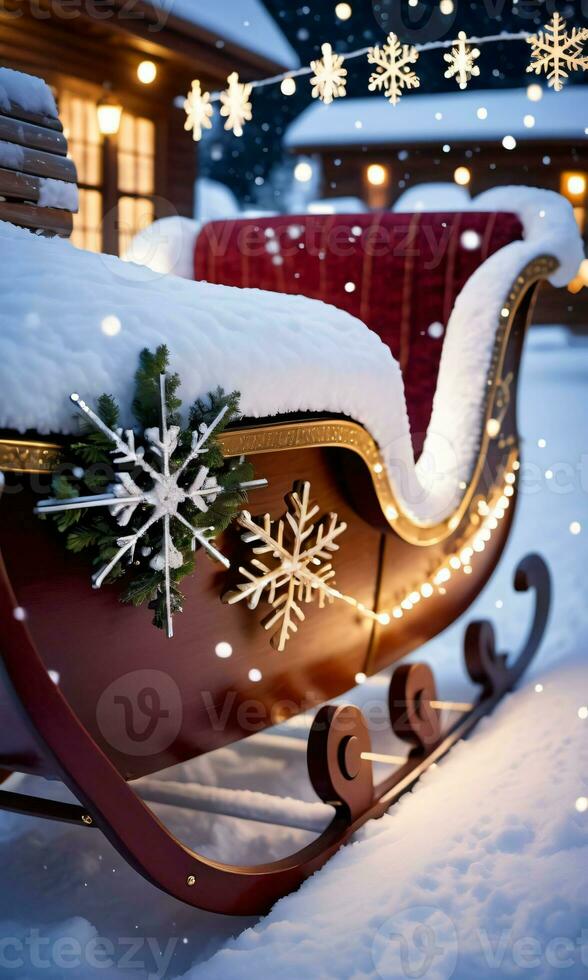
(136, 177)
(136, 155)
(574, 186)
(80, 125)
(134, 214)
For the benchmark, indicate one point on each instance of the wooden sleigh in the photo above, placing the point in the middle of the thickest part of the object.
(93, 696)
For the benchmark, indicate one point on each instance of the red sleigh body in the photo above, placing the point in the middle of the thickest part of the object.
(91, 694)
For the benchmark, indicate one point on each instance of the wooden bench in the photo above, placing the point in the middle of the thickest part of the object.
(33, 157)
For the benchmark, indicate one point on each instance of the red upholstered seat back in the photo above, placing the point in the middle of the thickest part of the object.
(399, 273)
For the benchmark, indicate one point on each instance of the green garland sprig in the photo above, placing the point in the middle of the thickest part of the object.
(92, 472)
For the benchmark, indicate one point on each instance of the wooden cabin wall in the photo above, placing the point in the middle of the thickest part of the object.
(76, 54)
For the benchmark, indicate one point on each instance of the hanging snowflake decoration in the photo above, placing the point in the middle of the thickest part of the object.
(236, 106)
(330, 78)
(393, 73)
(296, 565)
(170, 495)
(556, 53)
(461, 60)
(198, 111)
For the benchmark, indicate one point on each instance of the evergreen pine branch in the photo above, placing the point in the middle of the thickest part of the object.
(146, 403)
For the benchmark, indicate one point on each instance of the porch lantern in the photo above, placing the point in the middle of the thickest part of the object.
(109, 112)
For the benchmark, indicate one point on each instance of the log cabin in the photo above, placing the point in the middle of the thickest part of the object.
(140, 56)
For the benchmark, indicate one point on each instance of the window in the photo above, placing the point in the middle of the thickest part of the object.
(133, 161)
(574, 186)
(136, 177)
(78, 115)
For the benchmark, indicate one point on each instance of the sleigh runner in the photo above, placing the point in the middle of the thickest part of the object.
(346, 555)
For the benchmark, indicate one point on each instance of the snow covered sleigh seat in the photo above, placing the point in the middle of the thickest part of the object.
(93, 695)
(399, 273)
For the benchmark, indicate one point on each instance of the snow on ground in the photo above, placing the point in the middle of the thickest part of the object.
(479, 872)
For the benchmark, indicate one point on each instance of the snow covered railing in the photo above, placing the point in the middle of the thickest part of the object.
(38, 182)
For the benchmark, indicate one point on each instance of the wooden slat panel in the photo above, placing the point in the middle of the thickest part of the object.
(36, 137)
(37, 119)
(37, 163)
(29, 216)
(21, 186)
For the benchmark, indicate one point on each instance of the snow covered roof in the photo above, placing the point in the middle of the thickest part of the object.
(246, 23)
(441, 118)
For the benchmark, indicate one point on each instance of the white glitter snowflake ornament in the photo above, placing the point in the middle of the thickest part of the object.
(296, 565)
(461, 61)
(556, 53)
(236, 107)
(198, 111)
(162, 500)
(393, 71)
(330, 78)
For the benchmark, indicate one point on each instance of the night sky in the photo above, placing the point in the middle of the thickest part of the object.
(246, 163)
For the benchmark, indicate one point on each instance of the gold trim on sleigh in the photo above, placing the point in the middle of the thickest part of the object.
(39, 457)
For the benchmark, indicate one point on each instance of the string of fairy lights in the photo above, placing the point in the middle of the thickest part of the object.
(555, 53)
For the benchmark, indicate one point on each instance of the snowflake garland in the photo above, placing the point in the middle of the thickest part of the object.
(236, 107)
(556, 53)
(198, 111)
(461, 61)
(393, 73)
(164, 499)
(330, 78)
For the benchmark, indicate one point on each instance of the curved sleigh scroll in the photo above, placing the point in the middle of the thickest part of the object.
(492, 670)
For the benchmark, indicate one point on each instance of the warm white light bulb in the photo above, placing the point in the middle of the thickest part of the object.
(534, 93)
(147, 72)
(462, 176)
(303, 172)
(343, 11)
(377, 174)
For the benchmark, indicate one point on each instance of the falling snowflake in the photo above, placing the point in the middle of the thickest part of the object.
(461, 61)
(164, 497)
(556, 53)
(198, 111)
(330, 78)
(296, 567)
(235, 104)
(393, 72)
